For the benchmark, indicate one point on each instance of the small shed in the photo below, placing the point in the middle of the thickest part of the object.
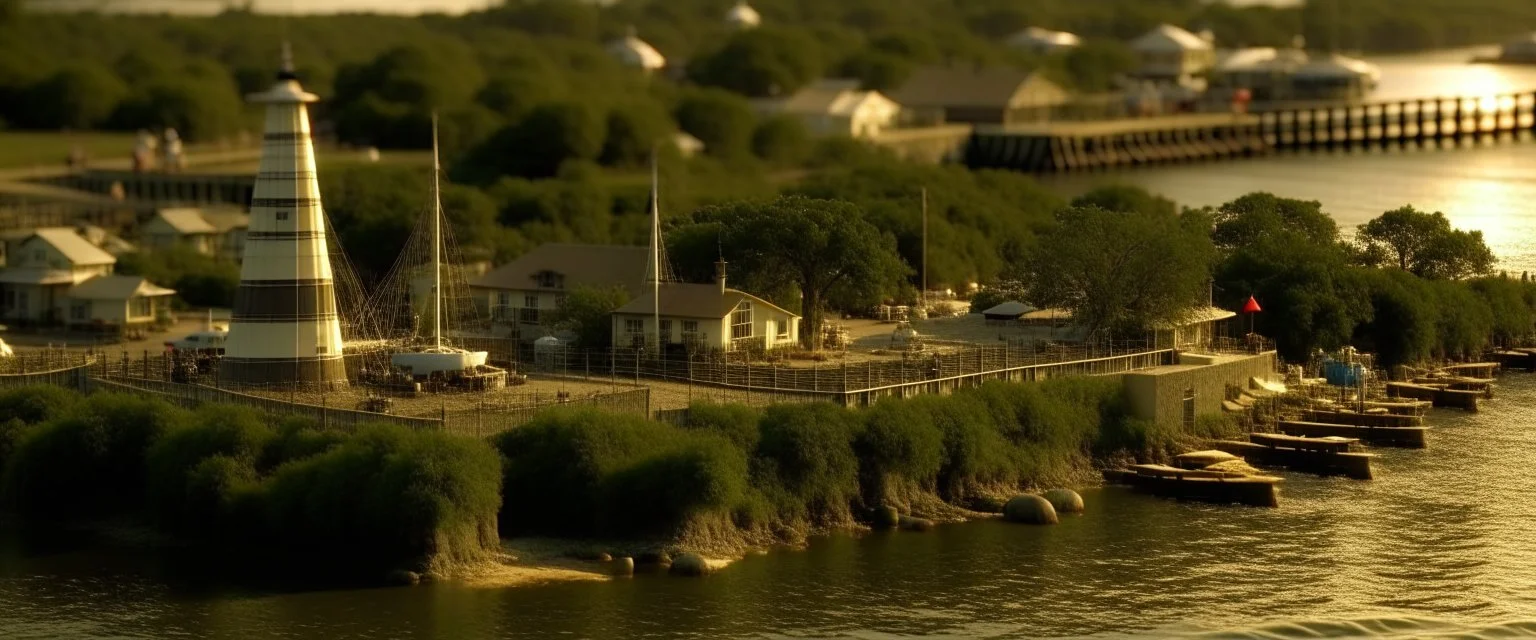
(1009, 311)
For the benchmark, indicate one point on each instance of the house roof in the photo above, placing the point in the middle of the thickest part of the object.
(1197, 315)
(835, 96)
(633, 51)
(581, 264)
(185, 221)
(106, 240)
(1037, 36)
(1010, 309)
(1336, 66)
(117, 288)
(684, 300)
(1168, 38)
(74, 247)
(972, 87)
(743, 15)
(226, 220)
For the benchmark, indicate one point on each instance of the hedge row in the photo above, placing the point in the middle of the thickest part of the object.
(376, 498)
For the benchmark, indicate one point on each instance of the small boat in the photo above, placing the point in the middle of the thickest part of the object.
(1326, 455)
(1410, 437)
(1204, 485)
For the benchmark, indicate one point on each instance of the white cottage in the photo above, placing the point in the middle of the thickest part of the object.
(180, 227)
(57, 277)
(1171, 54)
(838, 107)
(631, 51)
(743, 16)
(1044, 41)
(705, 316)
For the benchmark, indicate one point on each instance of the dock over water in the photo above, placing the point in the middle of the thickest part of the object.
(1076, 146)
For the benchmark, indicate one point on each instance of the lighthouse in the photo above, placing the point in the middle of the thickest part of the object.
(285, 328)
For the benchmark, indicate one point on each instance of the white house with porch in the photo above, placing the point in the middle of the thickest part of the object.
(57, 277)
(522, 293)
(705, 316)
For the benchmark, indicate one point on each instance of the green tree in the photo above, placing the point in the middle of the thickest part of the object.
(768, 61)
(721, 120)
(1121, 271)
(536, 147)
(824, 248)
(781, 140)
(1261, 217)
(79, 96)
(1425, 244)
(588, 313)
(633, 130)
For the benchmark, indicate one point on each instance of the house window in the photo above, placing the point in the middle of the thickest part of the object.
(550, 280)
(741, 321)
(141, 307)
(21, 301)
(559, 300)
(690, 329)
(666, 331)
(634, 325)
(529, 314)
(503, 299)
(8, 299)
(80, 311)
(282, 215)
(784, 329)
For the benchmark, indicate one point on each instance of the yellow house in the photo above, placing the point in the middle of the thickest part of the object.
(42, 268)
(116, 302)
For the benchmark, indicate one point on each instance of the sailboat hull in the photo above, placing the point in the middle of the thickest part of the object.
(426, 363)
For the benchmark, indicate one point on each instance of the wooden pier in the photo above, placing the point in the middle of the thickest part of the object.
(1410, 437)
(1440, 396)
(1388, 419)
(1322, 456)
(1201, 485)
(1078, 146)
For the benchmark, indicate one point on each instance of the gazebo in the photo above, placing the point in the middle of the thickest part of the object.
(1006, 312)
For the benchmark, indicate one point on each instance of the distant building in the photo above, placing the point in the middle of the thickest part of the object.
(521, 293)
(1521, 50)
(104, 240)
(705, 316)
(1197, 327)
(837, 107)
(57, 277)
(1271, 74)
(1044, 41)
(211, 232)
(687, 145)
(937, 95)
(1174, 55)
(631, 51)
(743, 16)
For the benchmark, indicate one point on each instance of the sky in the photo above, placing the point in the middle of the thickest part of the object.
(320, 6)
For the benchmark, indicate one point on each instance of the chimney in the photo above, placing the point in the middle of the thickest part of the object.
(720, 275)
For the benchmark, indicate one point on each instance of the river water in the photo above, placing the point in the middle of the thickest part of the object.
(1489, 186)
(1441, 542)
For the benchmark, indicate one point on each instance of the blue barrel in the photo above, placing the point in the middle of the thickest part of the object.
(1343, 374)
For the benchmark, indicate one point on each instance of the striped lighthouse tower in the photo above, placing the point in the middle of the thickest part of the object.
(285, 328)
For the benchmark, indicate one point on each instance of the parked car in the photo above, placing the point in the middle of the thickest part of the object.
(208, 341)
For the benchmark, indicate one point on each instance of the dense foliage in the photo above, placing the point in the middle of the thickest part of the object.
(366, 501)
(584, 472)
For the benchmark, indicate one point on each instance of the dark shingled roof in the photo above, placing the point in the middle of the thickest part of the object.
(971, 87)
(581, 264)
(684, 300)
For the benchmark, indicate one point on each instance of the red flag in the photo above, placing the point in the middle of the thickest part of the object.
(1252, 306)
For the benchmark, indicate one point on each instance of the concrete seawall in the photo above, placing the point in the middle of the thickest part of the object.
(1165, 394)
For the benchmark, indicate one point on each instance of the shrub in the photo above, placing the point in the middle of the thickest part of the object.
(810, 450)
(389, 496)
(89, 462)
(735, 422)
(702, 473)
(902, 441)
(237, 435)
(296, 439)
(36, 404)
(975, 453)
(555, 466)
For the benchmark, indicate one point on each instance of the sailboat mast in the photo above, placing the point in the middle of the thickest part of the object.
(437, 244)
(925, 248)
(655, 250)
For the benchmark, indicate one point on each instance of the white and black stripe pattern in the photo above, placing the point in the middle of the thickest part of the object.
(285, 327)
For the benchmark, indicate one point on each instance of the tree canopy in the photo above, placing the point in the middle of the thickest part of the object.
(1425, 245)
(823, 248)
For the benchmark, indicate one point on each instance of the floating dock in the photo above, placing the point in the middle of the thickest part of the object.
(1322, 456)
(1515, 359)
(1378, 419)
(1218, 487)
(1401, 407)
(1473, 369)
(1441, 397)
(1458, 383)
(1410, 437)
